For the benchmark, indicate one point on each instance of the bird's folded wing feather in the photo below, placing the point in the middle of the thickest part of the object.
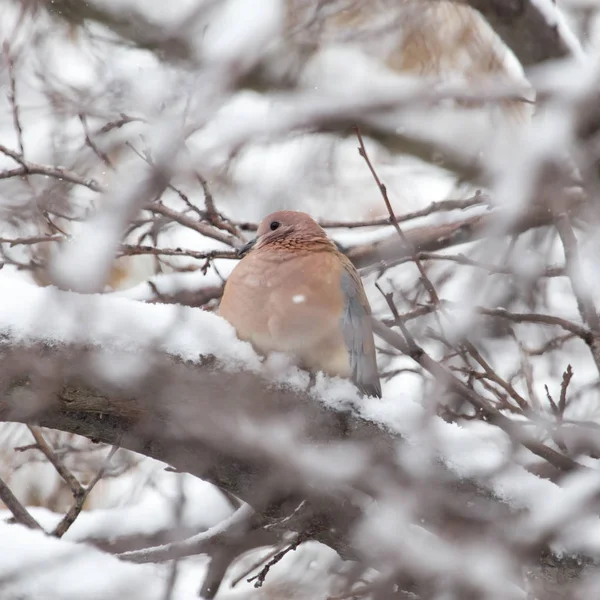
(358, 334)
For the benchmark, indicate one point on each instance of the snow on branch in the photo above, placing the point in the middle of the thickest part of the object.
(141, 145)
(194, 397)
(534, 30)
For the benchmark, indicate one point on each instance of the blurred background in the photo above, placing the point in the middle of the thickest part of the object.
(140, 144)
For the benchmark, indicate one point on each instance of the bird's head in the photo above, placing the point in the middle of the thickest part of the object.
(286, 229)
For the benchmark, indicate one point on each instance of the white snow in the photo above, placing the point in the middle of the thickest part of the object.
(47, 314)
(38, 567)
(315, 172)
(555, 18)
(29, 313)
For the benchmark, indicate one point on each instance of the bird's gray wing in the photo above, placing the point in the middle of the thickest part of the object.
(358, 334)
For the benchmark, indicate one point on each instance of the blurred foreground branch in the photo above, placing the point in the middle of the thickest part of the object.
(209, 421)
(431, 238)
(528, 28)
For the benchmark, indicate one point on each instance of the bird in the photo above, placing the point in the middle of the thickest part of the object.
(294, 292)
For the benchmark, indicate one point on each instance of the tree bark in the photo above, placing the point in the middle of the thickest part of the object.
(524, 28)
(223, 426)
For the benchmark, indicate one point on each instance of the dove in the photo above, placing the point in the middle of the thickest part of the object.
(293, 291)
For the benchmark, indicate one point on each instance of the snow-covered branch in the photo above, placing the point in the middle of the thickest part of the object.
(205, 415)
(534, 30)
(142, 143)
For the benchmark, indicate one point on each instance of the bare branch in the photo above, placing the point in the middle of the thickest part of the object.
(478, 199)
(80, 498)
(566, 379)
(432, 238)
(12, 97)
(445, 377)
(579, 330)
(20, 513)
(202, 228)
(68, 477)
(406, 242)
(29, 241)
(134, 250)
(461, 259)
(523, 26)
(30, 168)
(259, 578)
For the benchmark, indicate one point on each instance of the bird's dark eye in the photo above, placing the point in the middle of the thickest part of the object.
(274, 225)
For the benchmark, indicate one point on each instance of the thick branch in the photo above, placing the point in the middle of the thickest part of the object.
(172, 416)
(211, 422)
(524, 27)
(428, 238)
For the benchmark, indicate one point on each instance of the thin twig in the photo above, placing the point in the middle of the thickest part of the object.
(12, 97)
(124, 120)
(461, 259)
(430, 238)
(133, 250)
(196, 544)
(493, 416)
(31, 168)
(80, 499)
(255, 565)
(259, 578)
(585, 301)
(209, 201)
(382, 188)
(526, 371)
(211, 214)
(566, 379)
(551, 345)
(202, 228)
(170, 186)
(32, 240)
(427, 282)
(178, 522)
(88, 140)
(493, 376)
(579, 330)
(19, 512)
(551, 400)
(479, 199)
(76, 488)
(420, 311)
(582, 295)
(559, 411)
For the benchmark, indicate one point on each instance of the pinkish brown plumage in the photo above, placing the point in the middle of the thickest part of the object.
(294, 292)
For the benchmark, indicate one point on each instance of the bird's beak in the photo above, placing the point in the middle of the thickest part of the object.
(246, 248)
